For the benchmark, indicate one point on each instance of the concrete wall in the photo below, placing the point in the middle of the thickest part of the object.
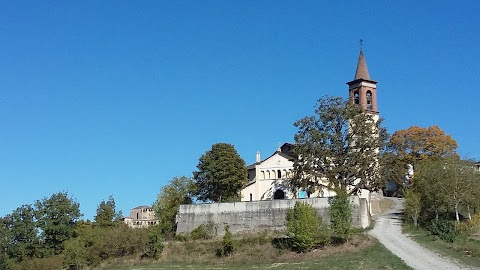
(258, 215)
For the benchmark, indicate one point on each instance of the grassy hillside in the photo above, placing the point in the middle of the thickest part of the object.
(264, 251)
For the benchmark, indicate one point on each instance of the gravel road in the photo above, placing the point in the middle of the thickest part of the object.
(389, 232)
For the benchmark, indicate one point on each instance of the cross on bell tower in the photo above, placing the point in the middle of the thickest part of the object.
(363, 90)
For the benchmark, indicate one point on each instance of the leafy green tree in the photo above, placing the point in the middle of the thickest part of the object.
(75, 253)
(221, 174)
(106, 215)
(447, 185)
(5, 261)
(341, 216)
(22, 233)
(413, 205)
(430, 183)
(305, 227)
(337, 148)
(56, 217)
(178, 191)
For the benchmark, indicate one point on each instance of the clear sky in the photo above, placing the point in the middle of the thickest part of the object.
(102, 98)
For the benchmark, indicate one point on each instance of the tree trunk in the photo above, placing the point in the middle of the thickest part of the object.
(456, 212)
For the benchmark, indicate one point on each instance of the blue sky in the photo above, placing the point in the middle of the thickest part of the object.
(102, 98)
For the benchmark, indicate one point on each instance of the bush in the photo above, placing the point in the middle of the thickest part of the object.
(341, 216)
(444, 229)
(227, 248)
(205, 231)
(305, 227)
(181, 237)
(155, 242)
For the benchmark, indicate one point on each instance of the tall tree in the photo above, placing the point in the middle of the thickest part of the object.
(178, 191)
(417, 143)
(22, 233)
(446, 185)
(107, 215)
(337, 148)
(221, 174)
(56, 218)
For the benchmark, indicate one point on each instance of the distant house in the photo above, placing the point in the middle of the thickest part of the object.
(141, 217)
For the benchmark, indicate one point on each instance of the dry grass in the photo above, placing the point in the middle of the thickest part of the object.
(252, 250)
(258, 252)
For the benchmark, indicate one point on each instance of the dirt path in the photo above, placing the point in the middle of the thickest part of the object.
(389, 232)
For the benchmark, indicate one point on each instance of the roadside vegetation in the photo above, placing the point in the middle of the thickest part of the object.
(465, 248)
(442, 210)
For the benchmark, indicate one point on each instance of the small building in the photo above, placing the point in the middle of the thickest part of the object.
(141, 217)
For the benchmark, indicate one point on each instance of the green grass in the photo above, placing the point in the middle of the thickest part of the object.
(464, 249)
(361, 253)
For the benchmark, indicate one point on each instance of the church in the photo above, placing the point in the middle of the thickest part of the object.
(268, 178)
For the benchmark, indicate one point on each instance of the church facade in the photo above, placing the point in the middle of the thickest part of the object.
(268, 178)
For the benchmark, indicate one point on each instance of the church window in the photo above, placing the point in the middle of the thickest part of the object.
(251, 197)
(268, 175)
(369, 100)
(279, 174)
(356, 97)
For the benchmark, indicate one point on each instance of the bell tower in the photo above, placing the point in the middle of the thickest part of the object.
(363, 90)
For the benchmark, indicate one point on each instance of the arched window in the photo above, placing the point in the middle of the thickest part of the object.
(251, 197)
(279, 195)
(268, 175)
(279, 174)
(356, 97)
(262, 175)
(369, 100)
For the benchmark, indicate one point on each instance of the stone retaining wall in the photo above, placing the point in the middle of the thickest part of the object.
(259, 215)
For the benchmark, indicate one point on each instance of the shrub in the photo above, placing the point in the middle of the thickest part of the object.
(341, 216)
(181, 237)
(206, 230)
(227, 248)
(444, 229)
(305, 227)
(155, 243)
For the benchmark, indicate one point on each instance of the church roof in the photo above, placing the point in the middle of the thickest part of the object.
(362, 70)
(284, 151)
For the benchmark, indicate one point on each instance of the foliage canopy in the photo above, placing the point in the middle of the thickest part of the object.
(337, 148)
(107, 215)
(56, 217)
(417, 143)
(221, 174)
(178, 191)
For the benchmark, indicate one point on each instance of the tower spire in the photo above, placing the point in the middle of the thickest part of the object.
(362, 70)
